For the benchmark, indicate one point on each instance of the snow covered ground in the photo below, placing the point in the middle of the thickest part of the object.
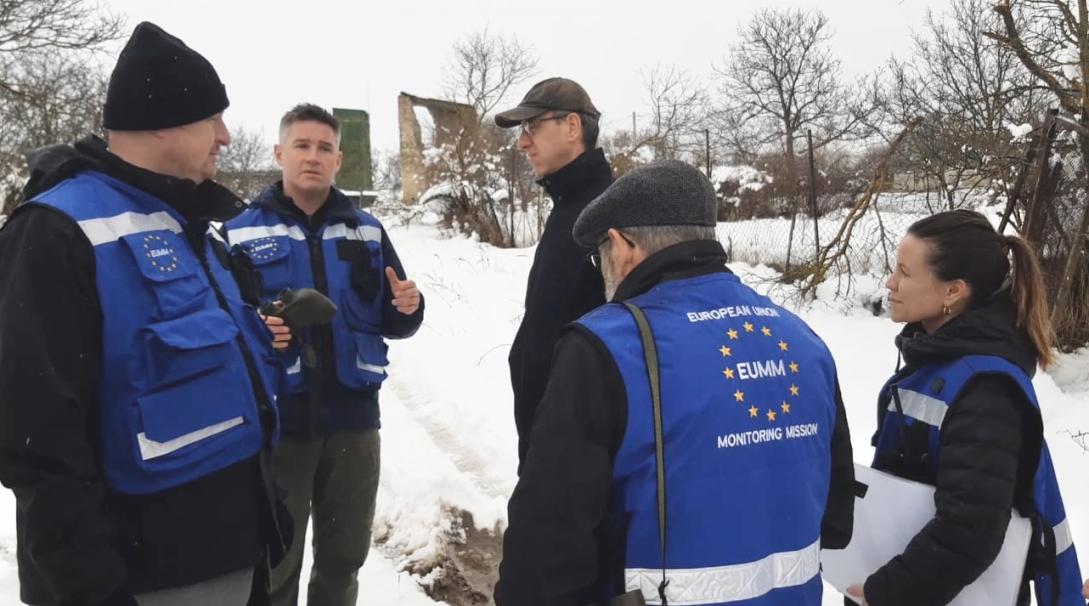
(448, 432)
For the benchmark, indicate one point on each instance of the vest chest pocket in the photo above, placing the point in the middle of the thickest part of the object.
(271, 258)
(169, 268)
(198, 390)
(363, 276)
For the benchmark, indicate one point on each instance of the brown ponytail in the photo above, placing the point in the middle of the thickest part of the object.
(1027, 290)
(965, 246)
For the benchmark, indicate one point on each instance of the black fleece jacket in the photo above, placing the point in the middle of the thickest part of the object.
(989, 450)
(562, 285)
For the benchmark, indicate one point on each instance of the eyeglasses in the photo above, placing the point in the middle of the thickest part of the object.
(594, 256)
(529, 126)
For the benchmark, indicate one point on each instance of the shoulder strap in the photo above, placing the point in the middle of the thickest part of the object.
(650, 351)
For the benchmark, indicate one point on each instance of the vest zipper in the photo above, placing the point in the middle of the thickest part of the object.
(326, 350)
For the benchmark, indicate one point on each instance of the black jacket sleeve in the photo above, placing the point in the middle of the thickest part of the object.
(838, 522)
(396, 325)
(552, 552)
(50, 363)
(562, 286)
(980, 449)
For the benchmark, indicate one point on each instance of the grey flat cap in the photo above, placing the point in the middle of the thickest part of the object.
(663, 193)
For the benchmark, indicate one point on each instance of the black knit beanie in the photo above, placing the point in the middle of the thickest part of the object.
(159, 82)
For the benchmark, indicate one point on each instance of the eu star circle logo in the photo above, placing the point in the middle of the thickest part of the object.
(160, 253)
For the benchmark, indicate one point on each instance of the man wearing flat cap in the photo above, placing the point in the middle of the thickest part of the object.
(138, 386)
(558, 134)
(691, 446)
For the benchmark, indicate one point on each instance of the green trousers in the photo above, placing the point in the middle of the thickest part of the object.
(335, 478)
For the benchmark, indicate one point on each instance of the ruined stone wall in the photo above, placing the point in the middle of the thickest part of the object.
(455, 124)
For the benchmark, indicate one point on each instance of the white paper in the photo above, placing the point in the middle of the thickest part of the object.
(891, 514)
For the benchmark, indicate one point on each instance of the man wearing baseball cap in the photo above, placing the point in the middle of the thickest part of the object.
(558, 134)
(138, 402)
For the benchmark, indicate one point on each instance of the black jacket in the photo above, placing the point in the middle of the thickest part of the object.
(990, 446)
(79, 542)
(553, 550)
(562, 286)
(334, 407)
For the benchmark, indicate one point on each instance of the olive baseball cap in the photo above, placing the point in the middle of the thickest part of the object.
(553, 94)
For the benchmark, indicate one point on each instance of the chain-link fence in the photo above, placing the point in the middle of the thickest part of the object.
(812, 239)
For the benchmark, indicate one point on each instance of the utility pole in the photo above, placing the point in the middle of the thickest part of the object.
(707, 142)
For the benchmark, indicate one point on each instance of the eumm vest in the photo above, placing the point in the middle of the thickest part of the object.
(282, 251)
(925, 396)
(177, 401)
(748, 408)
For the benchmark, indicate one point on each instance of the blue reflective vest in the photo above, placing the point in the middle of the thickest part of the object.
(925, 396)
(177, 401)
(748, 406)
(282, 250)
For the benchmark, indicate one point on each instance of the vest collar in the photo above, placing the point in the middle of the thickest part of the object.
(684, 260)
(336, 208)
(208, 201)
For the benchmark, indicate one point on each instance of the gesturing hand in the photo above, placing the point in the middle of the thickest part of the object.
(406, 297)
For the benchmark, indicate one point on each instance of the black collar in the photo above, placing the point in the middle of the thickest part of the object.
(684, 260)
(208, 201)
(590, 167)
(337, 208)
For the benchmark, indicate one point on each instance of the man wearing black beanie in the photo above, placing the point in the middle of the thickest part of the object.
(138, 408)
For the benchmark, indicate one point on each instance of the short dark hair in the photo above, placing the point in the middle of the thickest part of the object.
(308, 112)
(590, 130)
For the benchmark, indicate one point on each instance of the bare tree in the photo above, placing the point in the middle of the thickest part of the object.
(50, 89)
(677, 106)
(483, 69)
(780, 80)
(246, 165)
(59, 100)
(30, 27)
(968, 90)
(1051, 39)
(386, 168)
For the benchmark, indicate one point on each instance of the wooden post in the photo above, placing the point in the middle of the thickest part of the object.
(813, 192)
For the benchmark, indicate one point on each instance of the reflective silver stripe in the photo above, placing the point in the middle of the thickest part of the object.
(150, 449)
(245, 234)
(295, 368)
(112, 229)
(728, 583)
(1063, 539)
(367, 233)
(360, 364)
(214, 230)
(921, 406)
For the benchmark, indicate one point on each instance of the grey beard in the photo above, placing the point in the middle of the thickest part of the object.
(612, 281)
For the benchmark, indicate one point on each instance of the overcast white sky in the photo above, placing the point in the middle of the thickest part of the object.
(275, 53)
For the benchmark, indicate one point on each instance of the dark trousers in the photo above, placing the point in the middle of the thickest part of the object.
(336, 479)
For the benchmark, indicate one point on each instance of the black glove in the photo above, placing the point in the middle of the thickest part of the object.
(301, 308)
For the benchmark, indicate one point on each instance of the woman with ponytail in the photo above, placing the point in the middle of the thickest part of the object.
(961, 414)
